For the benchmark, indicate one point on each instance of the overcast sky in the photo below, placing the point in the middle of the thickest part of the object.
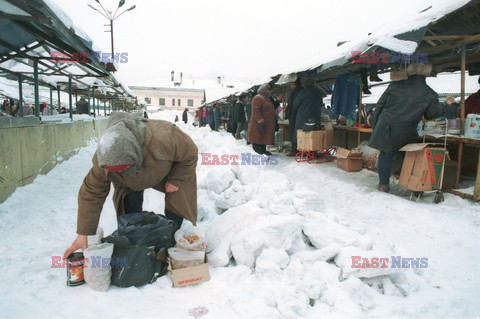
(243, 40)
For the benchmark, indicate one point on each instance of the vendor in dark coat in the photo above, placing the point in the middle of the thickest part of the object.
(185, 116)
(291, 116)
(450, 108)
(397, 114)
(307, 105)
(239, 115)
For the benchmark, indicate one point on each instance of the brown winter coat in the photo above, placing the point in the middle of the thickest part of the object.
(262, 108)
(168, 155)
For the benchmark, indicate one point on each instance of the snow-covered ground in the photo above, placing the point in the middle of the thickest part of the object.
(281, 240)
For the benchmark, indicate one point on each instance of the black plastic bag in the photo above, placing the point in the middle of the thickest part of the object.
(139, 253)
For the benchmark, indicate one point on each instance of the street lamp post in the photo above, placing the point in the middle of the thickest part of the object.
(111, 18)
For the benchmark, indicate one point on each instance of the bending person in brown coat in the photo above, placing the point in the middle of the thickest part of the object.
(135, 154)
(261, 131)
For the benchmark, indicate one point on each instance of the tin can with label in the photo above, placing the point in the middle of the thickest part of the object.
(75, 269)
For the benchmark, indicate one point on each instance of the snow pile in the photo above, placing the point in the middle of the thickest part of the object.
(253, 217)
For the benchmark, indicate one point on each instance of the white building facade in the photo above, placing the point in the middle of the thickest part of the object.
(170, 98)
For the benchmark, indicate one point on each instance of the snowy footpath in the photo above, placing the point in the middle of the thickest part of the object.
(282, 237)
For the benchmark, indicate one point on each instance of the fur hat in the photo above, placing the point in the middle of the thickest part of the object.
(122, 141)
(308, 81)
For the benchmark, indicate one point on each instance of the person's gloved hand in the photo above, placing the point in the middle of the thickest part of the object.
(262, 127)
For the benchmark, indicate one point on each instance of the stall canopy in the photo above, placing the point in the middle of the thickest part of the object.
(435, 33)
(36, 37)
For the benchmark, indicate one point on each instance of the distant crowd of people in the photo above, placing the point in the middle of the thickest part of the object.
(10, 107)
(204, 116)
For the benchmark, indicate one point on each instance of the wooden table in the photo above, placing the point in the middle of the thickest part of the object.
(359, 130)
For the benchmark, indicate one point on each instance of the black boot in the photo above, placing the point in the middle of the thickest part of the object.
(374, 75)
(363, 76)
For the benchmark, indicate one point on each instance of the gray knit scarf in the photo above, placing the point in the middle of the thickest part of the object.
(122, 141)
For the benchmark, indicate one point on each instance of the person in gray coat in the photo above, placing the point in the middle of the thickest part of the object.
(397, 114)
(307, 105)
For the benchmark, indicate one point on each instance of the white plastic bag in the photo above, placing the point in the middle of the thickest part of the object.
(190, 238)
(181, 258)
(97, 238)
(97, 269)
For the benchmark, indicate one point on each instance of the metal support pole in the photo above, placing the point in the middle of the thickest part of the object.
(51, 101)
(58, 97)
(20, 95)
(93, 102)
(70, 96)
(111, 34)
(35, 83)
(105, 105)
(88, 106)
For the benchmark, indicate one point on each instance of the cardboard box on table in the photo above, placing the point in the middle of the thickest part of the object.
(422, 167)
(348, 160)
(190, 275)
(315, 140)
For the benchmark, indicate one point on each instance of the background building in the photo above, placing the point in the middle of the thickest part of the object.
(169, 98)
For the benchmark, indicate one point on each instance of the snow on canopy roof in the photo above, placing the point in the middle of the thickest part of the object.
(50, 29)
(67, 21)
(387, 36)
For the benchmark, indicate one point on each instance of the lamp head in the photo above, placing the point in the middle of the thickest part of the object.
(121, 3)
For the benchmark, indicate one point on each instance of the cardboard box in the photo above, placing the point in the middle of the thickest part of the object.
(348, 160)
(191, 275)
(422, 167)
(314, 140)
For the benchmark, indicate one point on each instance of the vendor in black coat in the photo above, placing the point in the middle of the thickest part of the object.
(397, 114)
(239, 116)
(307, 105)
(291, 116)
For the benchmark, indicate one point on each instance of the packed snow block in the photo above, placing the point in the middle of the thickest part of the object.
(246, 174)
(219, 178)
(233, 196)
(206, 207)
(220, 232)
(352, 266)
(358, 293)
(324, 254)
(267, 232)
(322, 232)
(271, 261)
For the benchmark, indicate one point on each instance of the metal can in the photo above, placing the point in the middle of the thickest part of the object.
(75, 269)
